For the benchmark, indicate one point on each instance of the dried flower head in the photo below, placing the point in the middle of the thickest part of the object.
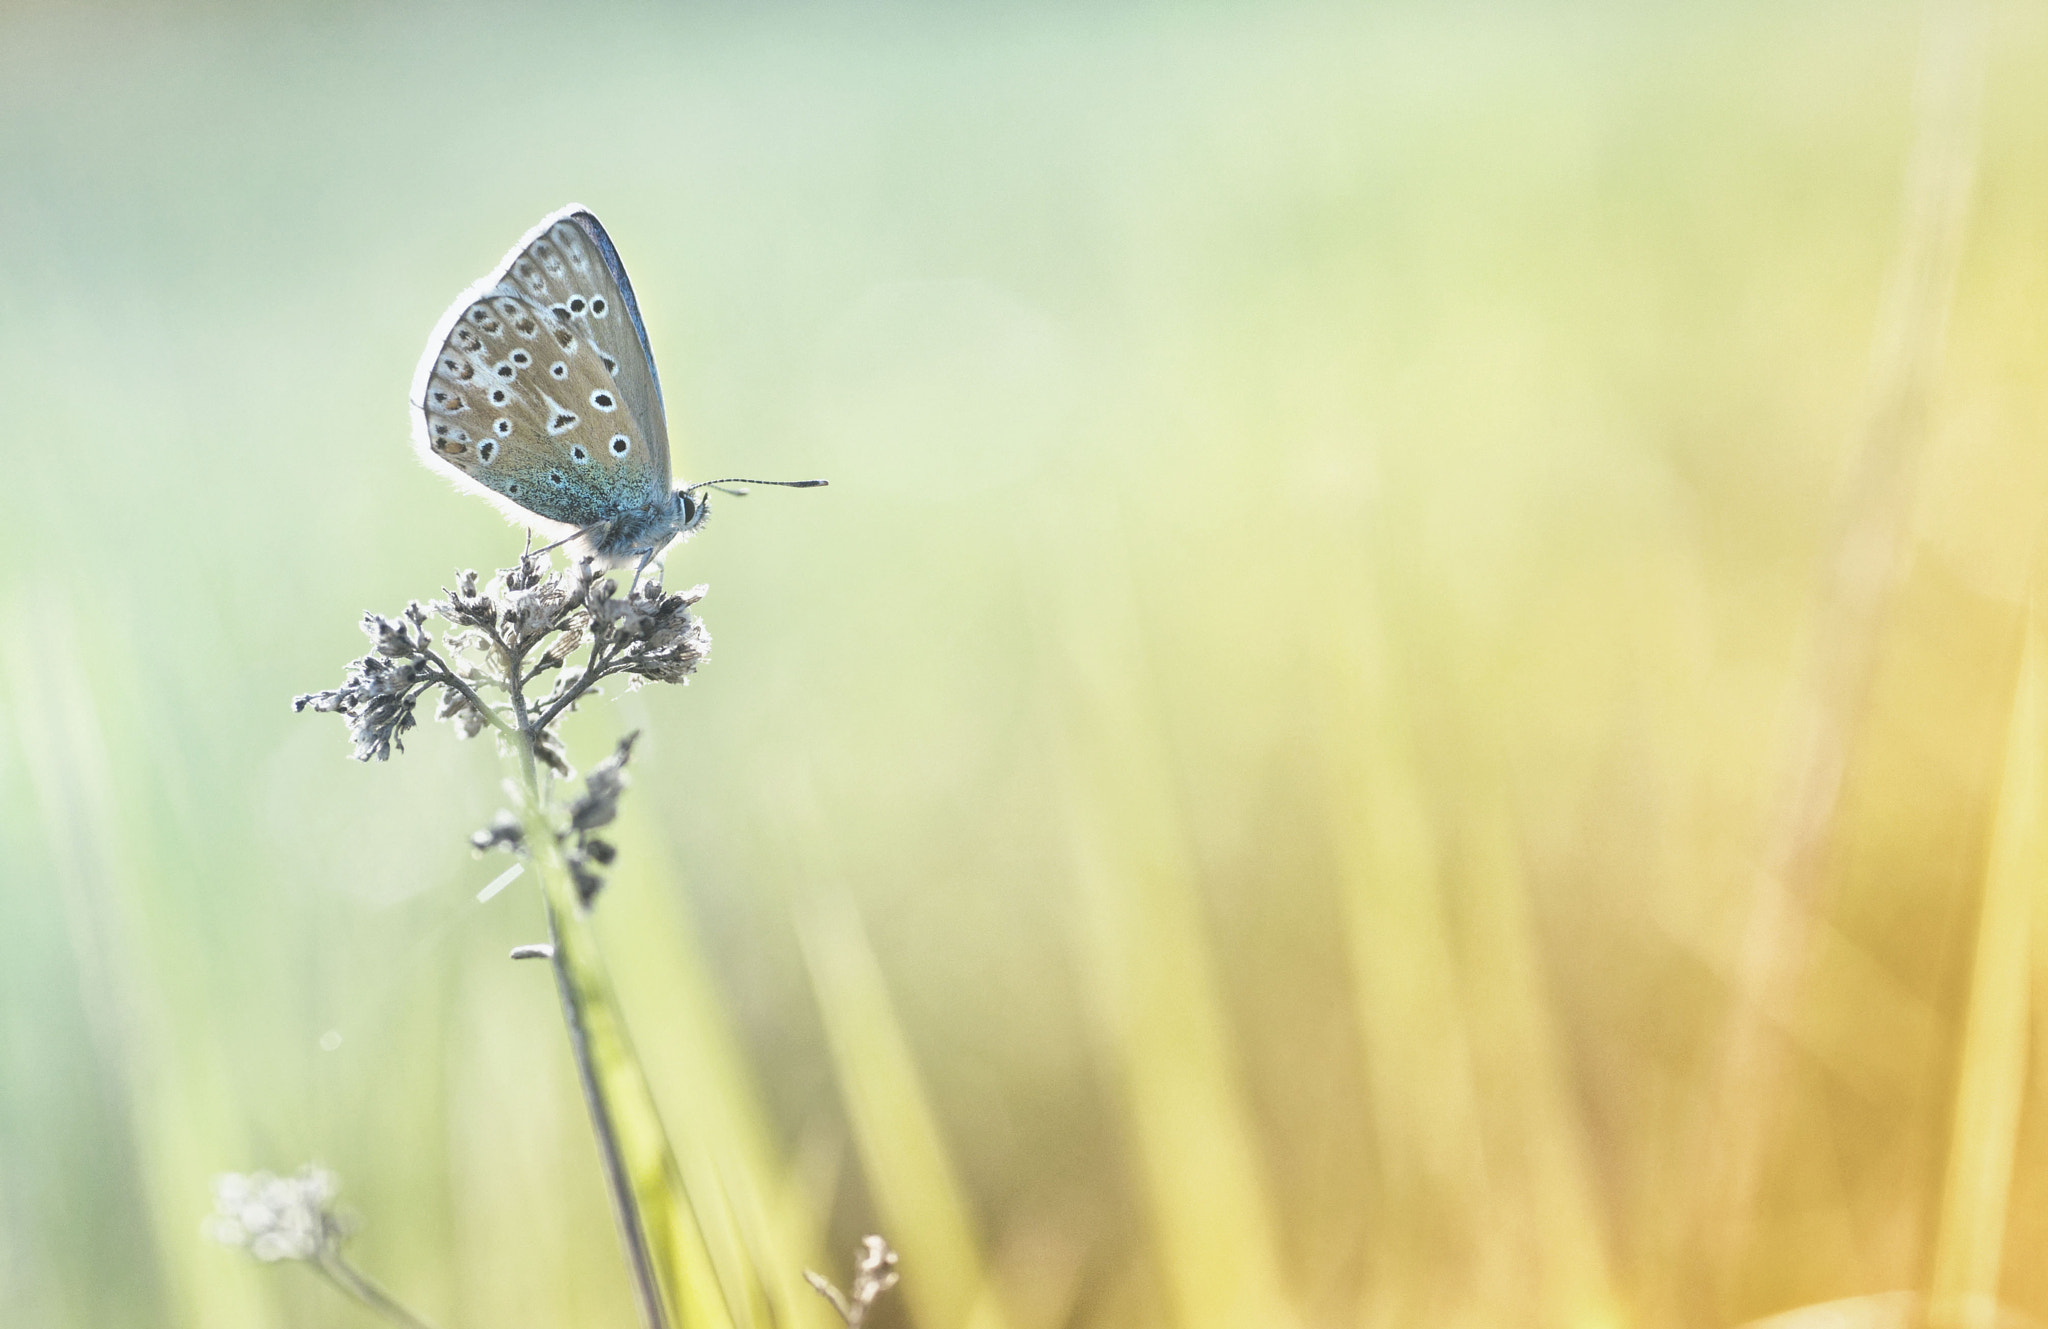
(595, 808)
(874, 1274)
(505, 638)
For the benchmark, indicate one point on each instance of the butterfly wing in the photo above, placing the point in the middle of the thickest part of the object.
(606, 293)
(520, 394)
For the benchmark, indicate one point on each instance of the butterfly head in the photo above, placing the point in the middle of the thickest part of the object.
(691, 509)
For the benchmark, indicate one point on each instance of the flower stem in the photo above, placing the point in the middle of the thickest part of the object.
(573, 949)
(672, 1278)
(364, 1289)
(575, 963)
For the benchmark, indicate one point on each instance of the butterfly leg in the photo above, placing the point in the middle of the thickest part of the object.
(641, 567)
(573, 535)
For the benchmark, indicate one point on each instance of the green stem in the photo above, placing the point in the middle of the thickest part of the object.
(578, 973)
(571, 952)
(672, 1275)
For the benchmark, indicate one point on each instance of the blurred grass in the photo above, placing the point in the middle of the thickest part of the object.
(1332, 513)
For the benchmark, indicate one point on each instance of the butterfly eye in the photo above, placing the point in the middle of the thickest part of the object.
(602, 400)
(687, 501)
(621, 445)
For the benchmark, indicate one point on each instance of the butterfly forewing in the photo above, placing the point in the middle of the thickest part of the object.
(528, 388)
(611, 316)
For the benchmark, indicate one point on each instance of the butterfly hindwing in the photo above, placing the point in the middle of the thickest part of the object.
(521, 390)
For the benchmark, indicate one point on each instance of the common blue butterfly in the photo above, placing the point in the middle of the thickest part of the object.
(538, 391)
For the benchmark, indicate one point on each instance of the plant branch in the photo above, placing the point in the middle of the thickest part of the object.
(366, 1290)
(594, 669)
(449, 678)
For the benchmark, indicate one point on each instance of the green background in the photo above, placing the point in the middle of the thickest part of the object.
(1250, 798)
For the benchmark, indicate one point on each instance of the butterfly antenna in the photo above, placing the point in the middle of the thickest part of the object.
(738, 480)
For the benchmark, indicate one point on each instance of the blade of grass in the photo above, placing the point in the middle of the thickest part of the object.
(1731, 1133)
(675, 1282)
(761, 1236)
(1145, 956)
(1424, 1102)
(922, 1203)
(1532, 1120)
(1992, 1071)
(1421, 1077)
(164, 1084)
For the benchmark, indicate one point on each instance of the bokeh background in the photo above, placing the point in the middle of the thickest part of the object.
(1411, 704)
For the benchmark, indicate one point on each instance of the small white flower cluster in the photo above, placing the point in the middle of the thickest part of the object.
(273, 1217)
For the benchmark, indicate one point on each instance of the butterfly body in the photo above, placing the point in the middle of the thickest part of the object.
(631, 533)
(538, 391)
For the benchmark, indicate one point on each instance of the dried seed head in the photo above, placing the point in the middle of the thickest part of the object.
(526, 622)
(874, 1274)
(504, 832)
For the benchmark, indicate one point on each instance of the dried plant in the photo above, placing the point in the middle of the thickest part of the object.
(874, 1274)
(506, 639)
(514, 655)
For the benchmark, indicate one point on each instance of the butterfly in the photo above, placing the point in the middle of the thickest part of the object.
(537, 390)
